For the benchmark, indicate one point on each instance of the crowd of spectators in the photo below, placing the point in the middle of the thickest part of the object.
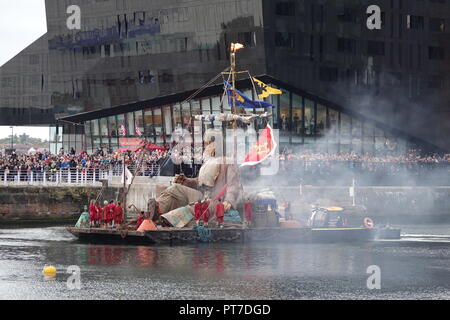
(39, 162)
(412, 168)
(306, 168)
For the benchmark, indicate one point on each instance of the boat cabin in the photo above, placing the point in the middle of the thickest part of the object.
(338, 217)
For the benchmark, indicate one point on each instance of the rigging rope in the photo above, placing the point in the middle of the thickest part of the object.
(204, 86)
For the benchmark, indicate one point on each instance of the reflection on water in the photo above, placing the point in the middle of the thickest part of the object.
(410, 269)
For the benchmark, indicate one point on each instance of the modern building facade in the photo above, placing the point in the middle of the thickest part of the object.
(134, 62)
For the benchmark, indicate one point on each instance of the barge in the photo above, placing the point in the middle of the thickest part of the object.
(175, 236)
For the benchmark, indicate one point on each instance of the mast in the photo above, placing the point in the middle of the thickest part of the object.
(234, 48)
(125, 191)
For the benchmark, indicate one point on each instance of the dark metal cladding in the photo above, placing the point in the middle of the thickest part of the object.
(132, 51)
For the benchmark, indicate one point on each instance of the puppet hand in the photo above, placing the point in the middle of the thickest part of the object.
(227, 206)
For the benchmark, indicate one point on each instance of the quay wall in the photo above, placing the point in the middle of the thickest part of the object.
(387, 204)
(23, 204)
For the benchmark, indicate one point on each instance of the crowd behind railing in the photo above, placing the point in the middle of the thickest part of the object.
(70, 167)
(305, 168)
(411, 168)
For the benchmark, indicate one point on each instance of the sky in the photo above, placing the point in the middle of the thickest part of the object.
(35, 132)
(21, 23)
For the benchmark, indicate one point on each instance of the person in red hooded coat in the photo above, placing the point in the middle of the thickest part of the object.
(118, 214)
(111, 213)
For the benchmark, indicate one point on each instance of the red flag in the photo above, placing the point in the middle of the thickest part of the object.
(222, 192)
(264, 148)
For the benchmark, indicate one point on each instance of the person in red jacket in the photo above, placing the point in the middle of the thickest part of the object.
(205, 212)
(118, 214)
(92, 213)
(111, 213)
(197, 211)
(98, 217)
(220, 213)
(248, 209)
(105, 214)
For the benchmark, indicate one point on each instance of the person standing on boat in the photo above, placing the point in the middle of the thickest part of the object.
(98, 217)
(197, 211)
(111, 213)
(92, 213)
(118, 214)
(220, 213)
(248, 210)
(105, 214)
(205, 212)
(287, 211)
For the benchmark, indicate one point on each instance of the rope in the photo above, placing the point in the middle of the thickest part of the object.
(204, 234)
(204, 86)
(225, 88)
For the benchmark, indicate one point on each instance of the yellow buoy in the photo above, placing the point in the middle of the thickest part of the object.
(49, 270)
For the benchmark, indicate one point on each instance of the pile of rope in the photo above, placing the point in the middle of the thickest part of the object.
(203, 233)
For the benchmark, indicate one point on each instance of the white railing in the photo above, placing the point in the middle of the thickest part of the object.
(58, 177)
(70, 176)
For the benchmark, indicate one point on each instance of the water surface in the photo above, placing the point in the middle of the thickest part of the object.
(417, 267)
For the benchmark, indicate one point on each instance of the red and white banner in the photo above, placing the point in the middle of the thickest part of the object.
(138, 131)
(264, 148)
(124, 131)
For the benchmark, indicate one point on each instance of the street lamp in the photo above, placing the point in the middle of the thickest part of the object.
(12, 138)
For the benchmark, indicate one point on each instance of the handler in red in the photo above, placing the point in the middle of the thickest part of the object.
(105, 215)
(248, 209)
(220, 213)
(205, 212)
(92, 213)
(98, 217)
(197, 211)
(111, 213)
(118, 214)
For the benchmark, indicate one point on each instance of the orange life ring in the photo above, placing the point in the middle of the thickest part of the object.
(368, 223)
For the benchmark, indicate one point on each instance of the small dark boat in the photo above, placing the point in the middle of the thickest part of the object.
(341, 224)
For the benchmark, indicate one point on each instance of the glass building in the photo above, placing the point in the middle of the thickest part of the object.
(132, 62)
(303, 121)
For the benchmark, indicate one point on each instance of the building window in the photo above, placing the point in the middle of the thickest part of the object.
(328, 74)
(347, 15)
(285, 40)
(310, 122)
(347, 45)
(415, 22)
(297, 118)
(436, 53)
(375, 48)
(166, 76)
(285, 8)
(435, 82)
(437, 25)
(34, 59)
(158, 125)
